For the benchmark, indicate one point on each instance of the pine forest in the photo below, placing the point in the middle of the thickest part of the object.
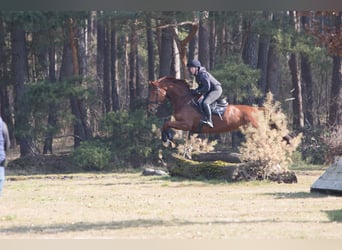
(82, 76)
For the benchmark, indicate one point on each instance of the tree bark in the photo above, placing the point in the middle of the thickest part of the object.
(52, 116)
(250, 48)
(294, 65)
(4, 80)
(150, 50)
(114, 67)
(273, 68)
(100, 53)
(165, 55)
(250, 55)
(203, 37)
(193, 43)
(81, 130)
(264, 46)
(306, 74)
(308, 101)
(335, 109)
(182, 47)
(132, 64)
(106, 68)
(298, 116)
(20, 69)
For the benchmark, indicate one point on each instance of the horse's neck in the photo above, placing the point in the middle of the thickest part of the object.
(179, 98)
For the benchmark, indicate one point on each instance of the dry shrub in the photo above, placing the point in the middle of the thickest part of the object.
(333, 140)
(265, 149)
(195, 145)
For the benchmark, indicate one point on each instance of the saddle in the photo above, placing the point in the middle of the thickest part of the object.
(217, 108)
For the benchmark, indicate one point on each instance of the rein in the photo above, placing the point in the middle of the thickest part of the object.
(163, 93)
(157, 96)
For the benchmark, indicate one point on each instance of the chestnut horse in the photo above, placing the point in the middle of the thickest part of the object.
(187, 117)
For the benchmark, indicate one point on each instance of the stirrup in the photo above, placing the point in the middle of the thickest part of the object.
(209, 123)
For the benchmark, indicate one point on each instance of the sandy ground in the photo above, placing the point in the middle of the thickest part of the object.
(132, 206)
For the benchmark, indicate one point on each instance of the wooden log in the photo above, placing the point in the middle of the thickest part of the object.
(226, 156)
(221, 170)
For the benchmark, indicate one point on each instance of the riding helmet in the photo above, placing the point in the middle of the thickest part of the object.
(194, 63)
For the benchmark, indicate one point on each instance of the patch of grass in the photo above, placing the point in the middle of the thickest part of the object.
(334, 215)
(10, 217)
(299, 164)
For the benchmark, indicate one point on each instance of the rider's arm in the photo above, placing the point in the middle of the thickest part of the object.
(204, 84)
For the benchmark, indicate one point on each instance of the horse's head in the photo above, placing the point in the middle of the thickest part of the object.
(156, 97)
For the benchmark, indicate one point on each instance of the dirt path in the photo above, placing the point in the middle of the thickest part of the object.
(133, 206)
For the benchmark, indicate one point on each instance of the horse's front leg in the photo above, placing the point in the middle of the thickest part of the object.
(166, 130)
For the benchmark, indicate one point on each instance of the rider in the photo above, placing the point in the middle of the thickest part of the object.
(208, 86)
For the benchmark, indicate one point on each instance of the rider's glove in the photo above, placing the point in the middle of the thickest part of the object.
(194, 92)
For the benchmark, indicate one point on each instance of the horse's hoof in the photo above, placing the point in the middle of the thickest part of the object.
(169, 135)
(164, 136)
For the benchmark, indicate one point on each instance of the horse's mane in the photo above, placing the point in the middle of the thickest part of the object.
(175, 80)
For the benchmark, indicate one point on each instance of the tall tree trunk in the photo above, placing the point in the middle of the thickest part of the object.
(4, 80)
(264, 45)
(165, 58)
(294, 65)
(114, 67)
(180, 49)
(308, 101)
(193, 43)
(132, 64)
(81, 130)
(150, 50)
(335, 109)
(298, 115)
(176, 51)
(306, 74)
(106, 68)
(140, 81)
(212, 42)
(165, 55)
(273, 69)
(250, 55)
(250, 49)
(124, 65)
(203, 37)
(20, 69)
(100, 43)
(52, 116)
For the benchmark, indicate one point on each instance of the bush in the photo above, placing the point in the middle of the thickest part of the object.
(133, 138)
(92, 155)
(333, 141)
(313, 148)
(265, 149)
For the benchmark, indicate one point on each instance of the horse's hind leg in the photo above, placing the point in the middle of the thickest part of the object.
(167, 135)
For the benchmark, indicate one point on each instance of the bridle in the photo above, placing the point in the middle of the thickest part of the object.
(160, 92)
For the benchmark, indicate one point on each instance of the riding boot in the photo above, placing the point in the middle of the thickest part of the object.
(207, 111)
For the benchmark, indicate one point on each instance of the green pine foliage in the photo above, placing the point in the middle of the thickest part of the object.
(133, 137)
(236, 78)
(265, 150)
(92, 155)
